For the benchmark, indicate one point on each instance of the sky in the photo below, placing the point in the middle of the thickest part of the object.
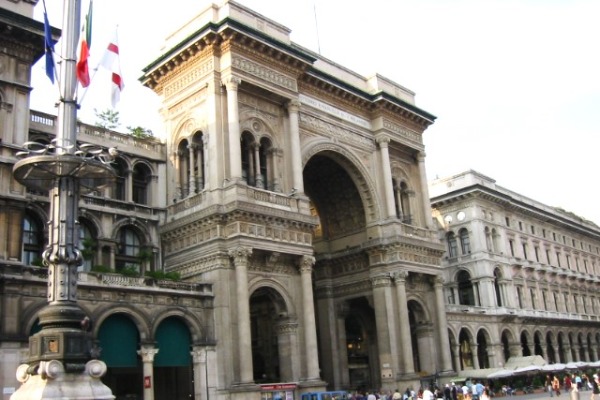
(514, 84)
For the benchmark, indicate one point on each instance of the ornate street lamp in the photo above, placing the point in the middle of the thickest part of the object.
(62, 362)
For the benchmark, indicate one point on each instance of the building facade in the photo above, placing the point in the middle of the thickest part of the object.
(289, 196)
(522, 278)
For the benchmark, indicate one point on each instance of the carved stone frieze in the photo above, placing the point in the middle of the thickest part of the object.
(264, 73)
(192, 75)
(403, 132)
(334, 131)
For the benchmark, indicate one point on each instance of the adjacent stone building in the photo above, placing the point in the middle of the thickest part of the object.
(522, 278)
(289, 195)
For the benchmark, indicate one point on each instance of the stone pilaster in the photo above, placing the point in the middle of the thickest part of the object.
(233, 122)
(310, 329)
(240, 257)
(147, 353)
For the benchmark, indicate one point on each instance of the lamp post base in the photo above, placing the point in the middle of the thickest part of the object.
(52, 382)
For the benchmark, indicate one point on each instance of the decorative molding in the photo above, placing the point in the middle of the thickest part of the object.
(334, 131)
(264, 73)
(194, 74)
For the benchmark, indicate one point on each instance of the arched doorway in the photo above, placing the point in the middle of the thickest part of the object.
(466, 353)
(173, 378)
(482, 349)
(119, 340)
(361, 344)
(269, 343)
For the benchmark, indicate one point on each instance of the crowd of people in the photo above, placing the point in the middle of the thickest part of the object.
(554, 384)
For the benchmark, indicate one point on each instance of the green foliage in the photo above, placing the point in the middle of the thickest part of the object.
(101, 268)
(130, 271)
(140, 132)
(537, 382)
(38, 262)
(144, 255)
(89, 247)
(174, 276)
(107, 119)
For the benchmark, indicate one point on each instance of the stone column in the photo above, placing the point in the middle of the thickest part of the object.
(308, 311)
(128, 185)
(257, 174)
(233, 122)
(408, 366)
(383, 142)
(240, 257)
(442, 324)
(293, 107)
(385, 323)
(427, 217)
(204, 166)
(475, 354)
(191, 150)
(147, 353)
(487, 292)
(274, 153)
(343, 309)
(457, 357)
(200, 373)
(287, 343)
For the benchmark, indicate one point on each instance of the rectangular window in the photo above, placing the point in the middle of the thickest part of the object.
(524, 245)
(537, 253)
(568, 257)
(507, 221)
(548, 257)
(544, 233)
(532, 230)
(532, 295)
(555, 301)
(566, 303)
(511, 243)
(554, 236)
(520, 226)
(519, 297)
(544, 297)
(558, 259)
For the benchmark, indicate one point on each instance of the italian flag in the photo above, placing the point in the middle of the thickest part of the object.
(82, 69)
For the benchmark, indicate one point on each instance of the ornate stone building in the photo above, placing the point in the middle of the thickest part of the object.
(522, 277)
(290, 196)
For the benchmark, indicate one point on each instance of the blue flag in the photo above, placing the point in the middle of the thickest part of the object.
(49, 49)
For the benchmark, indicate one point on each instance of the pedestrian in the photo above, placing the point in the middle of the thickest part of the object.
(548, 385)
(556, 385)
(595, 386)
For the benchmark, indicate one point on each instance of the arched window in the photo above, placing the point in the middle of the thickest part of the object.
(497, 277)
(405, 203)
(452, 245)
(257, 162)
(465, 289)
(183, 167)
(87, 246)
(465, 243)
(33, 240)
(120, 185)
(129, 250)
(141, 179)
(247, 143)
(265, 164)
(198, 170)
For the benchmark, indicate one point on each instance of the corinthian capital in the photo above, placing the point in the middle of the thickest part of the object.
(232, 82)
(240, 255)
(382, 140)
(306, 264)
(293, 105)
